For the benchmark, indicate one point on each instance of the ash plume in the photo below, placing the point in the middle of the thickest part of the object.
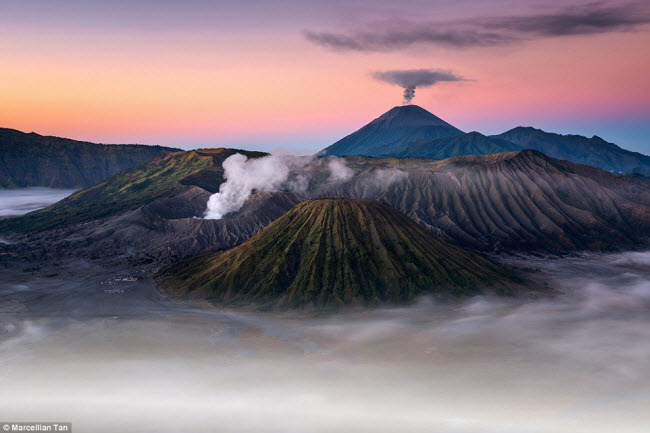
(409, 94)
(410, 79)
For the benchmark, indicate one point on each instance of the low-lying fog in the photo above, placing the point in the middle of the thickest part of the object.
(20, 201)
(136, 363)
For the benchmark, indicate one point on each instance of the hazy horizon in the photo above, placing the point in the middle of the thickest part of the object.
(302, 146)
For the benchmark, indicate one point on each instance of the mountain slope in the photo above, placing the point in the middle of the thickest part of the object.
(411, 131)
(333, 252)
(592, 151)
(518, 201)
(36, 160)
(166, 176)
(523, 201)
(391, 131)
(472, 143)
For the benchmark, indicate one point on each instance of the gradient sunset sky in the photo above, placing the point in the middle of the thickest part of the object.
(297, 74)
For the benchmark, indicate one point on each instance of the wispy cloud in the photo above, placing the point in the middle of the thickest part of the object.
(586, 19)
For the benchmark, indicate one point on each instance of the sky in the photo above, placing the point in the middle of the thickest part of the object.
(297, 75)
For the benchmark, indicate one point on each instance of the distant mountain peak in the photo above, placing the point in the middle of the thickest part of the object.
(390, 132)
(525, 128)
(409, 115)
(592, 151)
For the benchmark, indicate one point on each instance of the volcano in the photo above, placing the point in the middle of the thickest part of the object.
(391, 132)
(327, 253)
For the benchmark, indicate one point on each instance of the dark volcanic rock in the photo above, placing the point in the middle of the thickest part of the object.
(518, 201)
(333, 252)
(160, 233)
(523, 201)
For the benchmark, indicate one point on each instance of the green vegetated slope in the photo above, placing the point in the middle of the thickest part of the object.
(166, 176)
(37, 160)
(327, 253)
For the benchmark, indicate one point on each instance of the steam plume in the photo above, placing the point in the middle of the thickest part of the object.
(411, 79)
(271, 173)
(339, 172)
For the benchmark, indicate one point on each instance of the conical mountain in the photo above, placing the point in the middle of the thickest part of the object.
(328, 253)
(389, 133)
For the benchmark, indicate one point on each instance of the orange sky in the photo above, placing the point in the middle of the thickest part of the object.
(269, 87)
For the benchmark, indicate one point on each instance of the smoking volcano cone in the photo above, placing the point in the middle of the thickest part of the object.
(391, 132)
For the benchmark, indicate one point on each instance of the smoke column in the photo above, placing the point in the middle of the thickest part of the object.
(411, 79)
(409, 94)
